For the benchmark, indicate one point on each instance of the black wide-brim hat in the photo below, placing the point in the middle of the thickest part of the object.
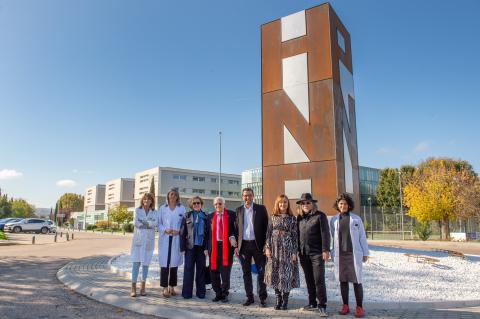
(306, 197)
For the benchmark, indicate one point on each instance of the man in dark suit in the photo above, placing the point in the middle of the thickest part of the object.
(251, 230)
(221, 241)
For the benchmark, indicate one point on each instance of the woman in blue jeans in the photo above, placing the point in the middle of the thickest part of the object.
(143, 241)
(193, 242)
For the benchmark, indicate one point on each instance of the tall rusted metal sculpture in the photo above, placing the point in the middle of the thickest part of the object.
(309, 139)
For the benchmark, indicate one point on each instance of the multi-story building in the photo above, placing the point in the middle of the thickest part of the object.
(94, 198)
(252, 178)
(120, 192)
(369, 178)
(189, 183)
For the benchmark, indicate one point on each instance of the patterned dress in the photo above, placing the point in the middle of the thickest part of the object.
(280, 272)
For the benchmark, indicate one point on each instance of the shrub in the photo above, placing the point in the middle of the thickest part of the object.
(91, 227)
(102, 224)
(128, 228)
(423, 230)
(2, 235)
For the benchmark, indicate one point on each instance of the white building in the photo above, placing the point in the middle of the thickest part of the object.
(189, 183)
(94, 198)
(119, 192)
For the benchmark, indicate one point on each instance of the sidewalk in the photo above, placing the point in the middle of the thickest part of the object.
(91, 276)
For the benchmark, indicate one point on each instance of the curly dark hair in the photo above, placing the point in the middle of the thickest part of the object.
(347, 198)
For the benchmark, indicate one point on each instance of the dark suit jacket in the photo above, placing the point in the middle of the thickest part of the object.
(231, 232)
(260, 225)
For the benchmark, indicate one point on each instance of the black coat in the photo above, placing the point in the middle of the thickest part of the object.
(260, 225)
(313, 233)
(231, 232)
(186, 232)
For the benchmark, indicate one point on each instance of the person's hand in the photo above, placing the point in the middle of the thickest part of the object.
(233, 242)
(268, 253)
(325, 255)
(175, 232)
(365, 258)
(168, 231)
(294, 258)
(236, 251)
(205, 252)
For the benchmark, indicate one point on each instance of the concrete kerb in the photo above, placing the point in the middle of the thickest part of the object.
(178, 308)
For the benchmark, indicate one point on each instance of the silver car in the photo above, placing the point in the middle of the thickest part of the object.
(30, 225)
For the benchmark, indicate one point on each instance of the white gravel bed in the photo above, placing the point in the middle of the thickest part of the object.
(388, 277)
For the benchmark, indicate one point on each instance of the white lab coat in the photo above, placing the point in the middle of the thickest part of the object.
(359, 244)
(173, 220)
(143, 241)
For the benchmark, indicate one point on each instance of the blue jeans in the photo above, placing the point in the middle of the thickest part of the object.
(136, 269)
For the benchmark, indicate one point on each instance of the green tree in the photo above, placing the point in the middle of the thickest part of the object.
(388, 189)
(120, 215)
(5, 206)
(70, 202)
(21, 208)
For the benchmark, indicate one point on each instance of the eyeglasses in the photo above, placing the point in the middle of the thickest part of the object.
(196, 203)
(218, 204)
(305, 203)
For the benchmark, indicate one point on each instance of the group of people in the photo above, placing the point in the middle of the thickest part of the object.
(277, 244)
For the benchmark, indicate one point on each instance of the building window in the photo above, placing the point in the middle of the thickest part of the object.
(233, 182)
(180, 177)
(214, 192)
(182, 190)
(198, 191)
(213, 180)
(198, 179)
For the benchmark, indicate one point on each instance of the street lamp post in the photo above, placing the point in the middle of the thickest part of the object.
(370, 209)
(401, 202)
(220, 170)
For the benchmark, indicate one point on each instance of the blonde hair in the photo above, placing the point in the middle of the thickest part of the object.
(276, 206)
(190, 201)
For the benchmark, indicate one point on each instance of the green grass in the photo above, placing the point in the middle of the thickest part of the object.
(2, 235)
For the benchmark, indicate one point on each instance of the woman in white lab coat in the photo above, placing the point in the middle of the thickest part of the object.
(143, 241)
(350, 251)
(169, 222)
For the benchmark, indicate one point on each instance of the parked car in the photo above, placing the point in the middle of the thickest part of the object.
(30, 225)
(8, 220)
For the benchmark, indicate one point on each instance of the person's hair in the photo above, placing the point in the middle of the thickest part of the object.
(248, 189)
(191, 200)
(175, 191)
(276, 208)
(346, 197)
(219, 199)
(147, 196)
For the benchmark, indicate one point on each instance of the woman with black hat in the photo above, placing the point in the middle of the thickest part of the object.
(314, 248)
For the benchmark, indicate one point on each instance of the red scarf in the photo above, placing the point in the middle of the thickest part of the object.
(213, 257)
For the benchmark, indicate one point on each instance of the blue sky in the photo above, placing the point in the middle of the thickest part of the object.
(95, 90)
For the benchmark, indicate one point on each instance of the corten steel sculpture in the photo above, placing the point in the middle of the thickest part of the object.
(309, 139)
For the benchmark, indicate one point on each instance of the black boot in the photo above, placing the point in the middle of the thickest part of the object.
(285, 300)
(278, 294)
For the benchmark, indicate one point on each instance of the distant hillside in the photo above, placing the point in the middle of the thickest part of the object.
(42, 212)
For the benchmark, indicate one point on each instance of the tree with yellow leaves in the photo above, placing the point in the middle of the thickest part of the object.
(435, 191)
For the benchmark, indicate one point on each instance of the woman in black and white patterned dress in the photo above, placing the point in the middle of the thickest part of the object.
(281, 247)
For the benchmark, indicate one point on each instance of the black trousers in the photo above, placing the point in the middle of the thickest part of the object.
(194, 267)
(249, 250)
(168, 275)
(314, 270)
(221, 275)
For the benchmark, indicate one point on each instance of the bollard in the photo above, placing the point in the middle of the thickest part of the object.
(61, 234)
(124, 232)
(67, 236)
(72, 236)
(33, 240)
(55, 238)
(112, 231)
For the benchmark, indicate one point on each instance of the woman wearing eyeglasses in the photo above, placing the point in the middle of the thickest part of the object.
(314, 250)
(193, 243)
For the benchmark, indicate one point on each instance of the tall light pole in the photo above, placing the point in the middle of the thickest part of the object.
(220, 171)
(371, 224)
(401, 201)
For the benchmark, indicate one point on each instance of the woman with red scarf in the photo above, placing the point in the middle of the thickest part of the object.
(221, 243)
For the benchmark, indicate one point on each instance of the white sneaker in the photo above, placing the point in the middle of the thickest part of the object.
(323, 312)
